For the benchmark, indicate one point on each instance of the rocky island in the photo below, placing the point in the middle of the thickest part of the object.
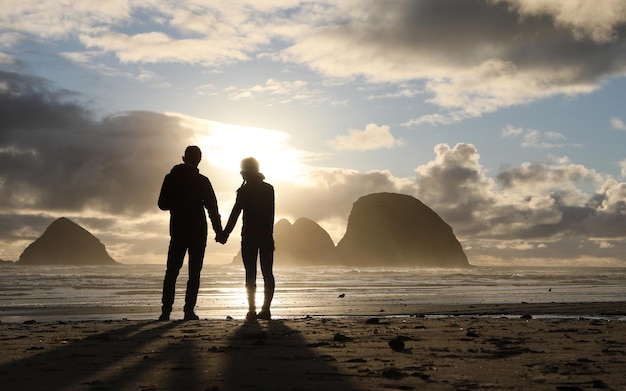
(302, 243)
(66, 243)
(389, 229)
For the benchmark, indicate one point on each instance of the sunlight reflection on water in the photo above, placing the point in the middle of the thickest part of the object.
(299, 290)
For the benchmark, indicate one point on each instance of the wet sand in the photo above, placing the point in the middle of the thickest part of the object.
(458, 348)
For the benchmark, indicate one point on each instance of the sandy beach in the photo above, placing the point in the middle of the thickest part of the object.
(454, 348)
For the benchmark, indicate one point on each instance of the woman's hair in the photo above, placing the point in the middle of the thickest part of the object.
(249, 165)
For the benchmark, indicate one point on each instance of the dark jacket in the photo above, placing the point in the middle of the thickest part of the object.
(185, 193)
(256, 199)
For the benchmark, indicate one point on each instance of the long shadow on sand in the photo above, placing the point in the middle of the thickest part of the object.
(150, 355)
(272, 356)
(92, 362)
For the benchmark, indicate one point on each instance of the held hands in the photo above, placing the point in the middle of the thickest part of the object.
(221, 237)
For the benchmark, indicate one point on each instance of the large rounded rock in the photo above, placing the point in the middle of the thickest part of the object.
(388, 229)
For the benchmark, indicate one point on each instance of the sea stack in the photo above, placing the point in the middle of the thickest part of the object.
(302, 243)
(388, 229)
(66, 243)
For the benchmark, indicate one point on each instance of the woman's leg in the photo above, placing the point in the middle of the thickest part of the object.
(266, 254)
(249, 252)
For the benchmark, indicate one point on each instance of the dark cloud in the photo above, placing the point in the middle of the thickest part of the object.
(55, 156)
(452, 30)
(57, 159)
(22, 227)
(472, 57)
(23, 96)
(455, 185)
(539, 212)
(577, 251)
(599, 214)
(466, 33)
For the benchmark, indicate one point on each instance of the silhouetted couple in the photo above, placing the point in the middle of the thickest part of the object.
(186, 193)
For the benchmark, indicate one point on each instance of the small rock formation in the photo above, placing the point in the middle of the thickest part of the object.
(302, 243)
(66, 243)
(387, 229)
(397, 344)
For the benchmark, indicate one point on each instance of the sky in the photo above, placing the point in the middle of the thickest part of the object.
(506, 117)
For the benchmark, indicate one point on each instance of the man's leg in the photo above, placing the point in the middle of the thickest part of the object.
(175, 258)
(266, 255)
(249, 252)
(196, 259)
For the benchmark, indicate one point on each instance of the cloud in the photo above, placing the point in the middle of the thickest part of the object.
(583, 19)
(283, 91)
(156, 47)
(75, 161)
(106, 173)
(7, 59)
(468, 57)
(532, 138)
(515, 202)
(549, 205)
(455, 185)
(372, 137)
(617, 123)
(159, 31)
(438, 119)
(475, 56)
(562, 189)
(402, 91)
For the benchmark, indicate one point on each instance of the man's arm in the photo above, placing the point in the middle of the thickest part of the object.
(210, 203)
(165, 196)
(273, 205)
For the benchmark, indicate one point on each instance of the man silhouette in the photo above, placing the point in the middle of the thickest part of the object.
(256, 198)
(186, 193)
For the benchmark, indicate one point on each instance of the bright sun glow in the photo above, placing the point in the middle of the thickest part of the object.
(225, 145)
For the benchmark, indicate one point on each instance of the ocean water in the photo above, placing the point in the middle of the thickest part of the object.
(134, 291)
